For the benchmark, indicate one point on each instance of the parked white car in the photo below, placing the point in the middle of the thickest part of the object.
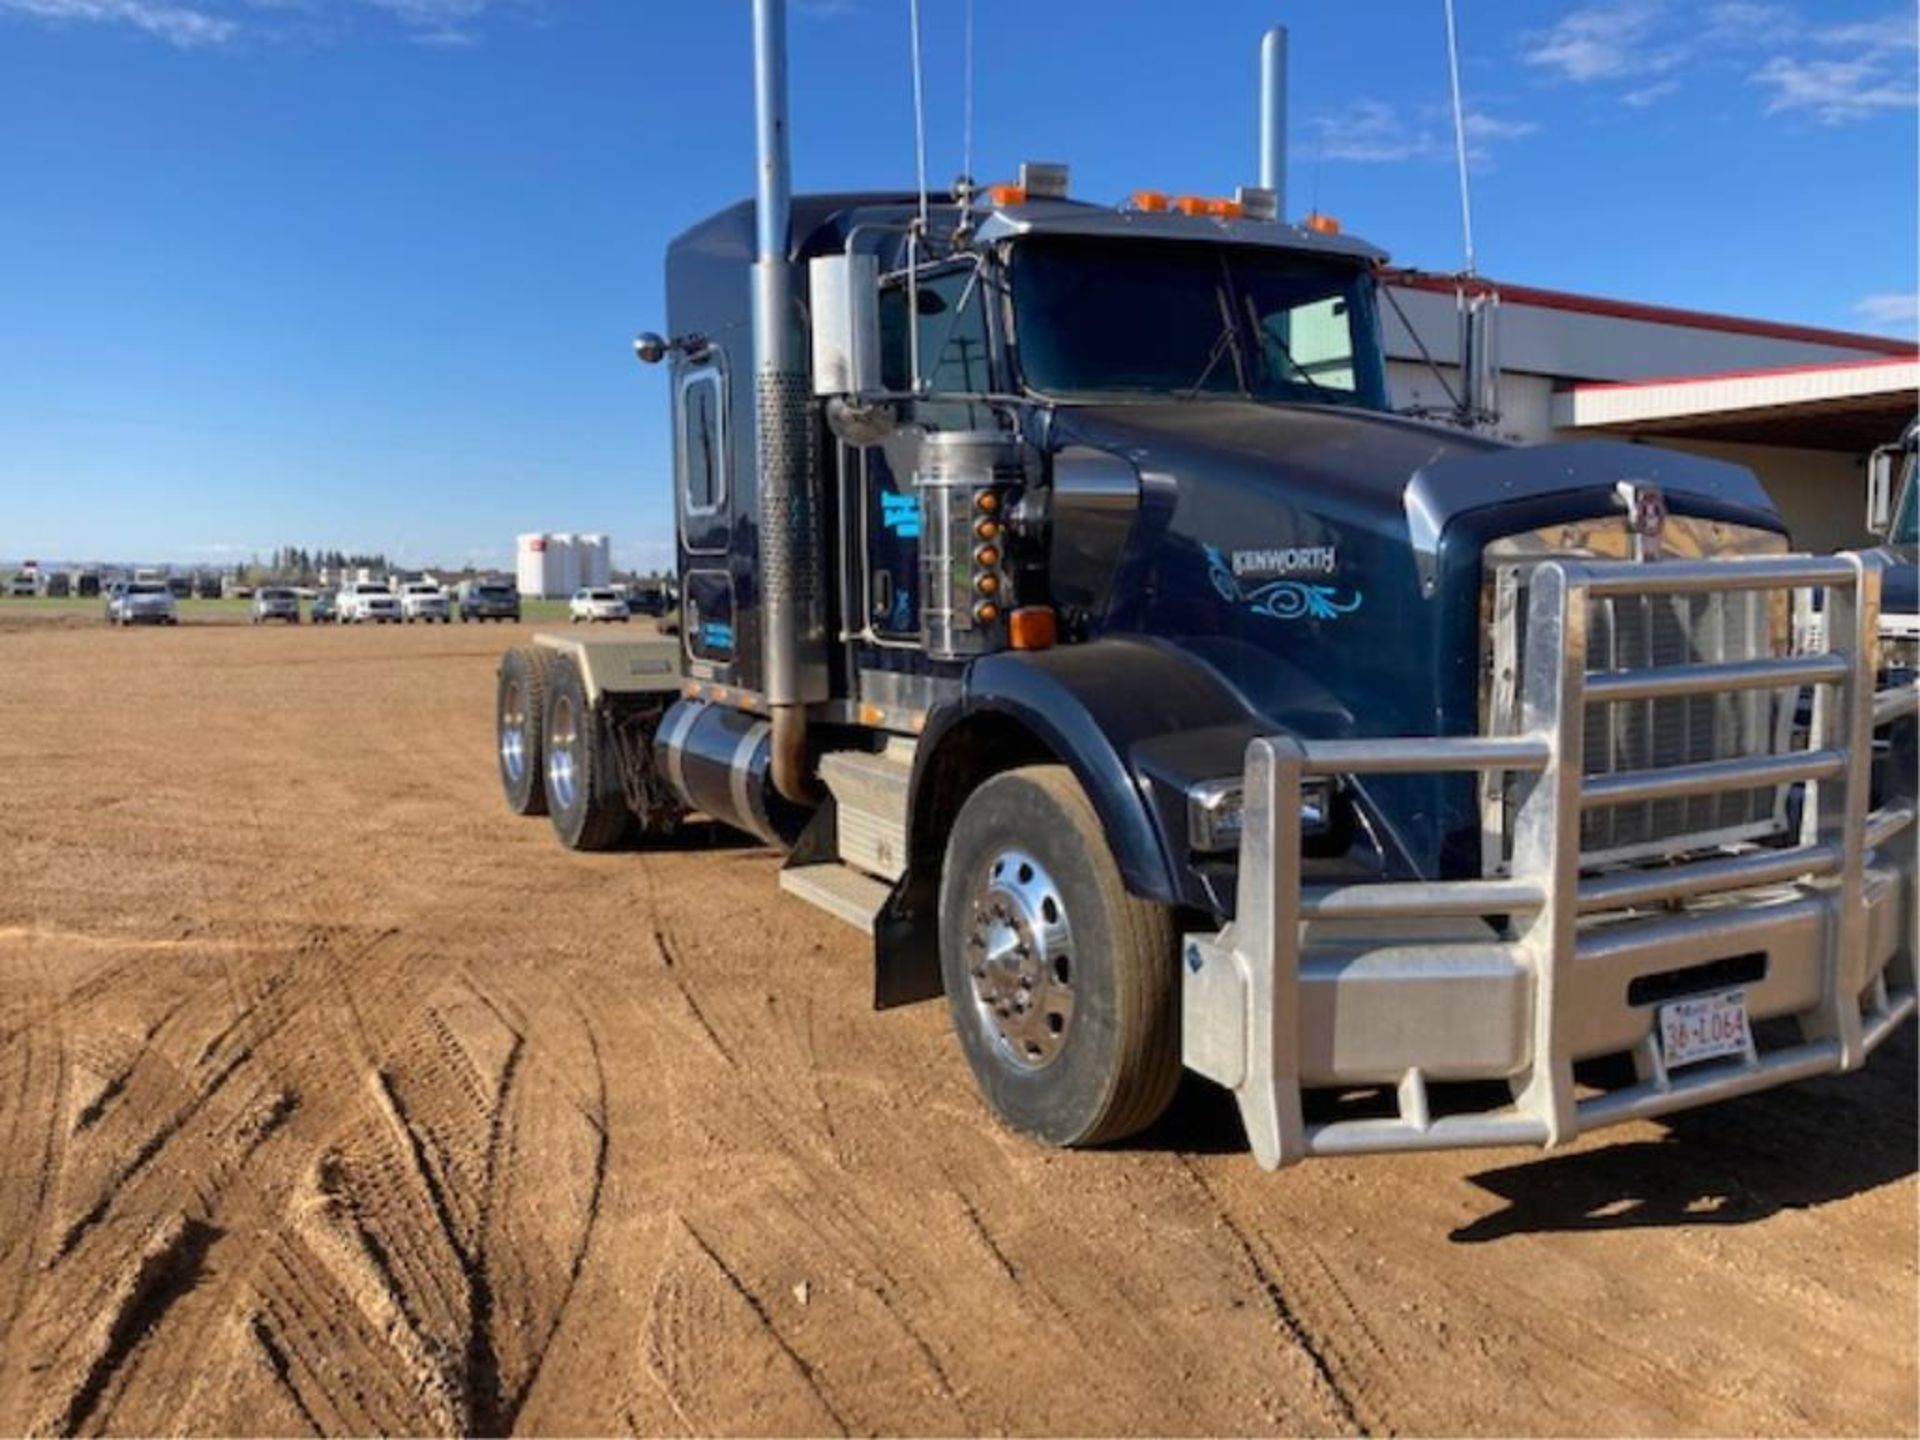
(368, 601)
(143, 602)
(600, 603)
(421, 601)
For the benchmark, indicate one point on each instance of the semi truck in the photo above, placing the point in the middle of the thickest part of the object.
(1062, 596)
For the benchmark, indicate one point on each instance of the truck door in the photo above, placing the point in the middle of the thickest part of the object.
(704, 496)
(955, 359)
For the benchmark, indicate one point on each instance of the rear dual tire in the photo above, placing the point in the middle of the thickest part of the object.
(520, 718)
(584, 799)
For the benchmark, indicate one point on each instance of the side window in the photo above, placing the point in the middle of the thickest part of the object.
(956, 357)
(703, 447)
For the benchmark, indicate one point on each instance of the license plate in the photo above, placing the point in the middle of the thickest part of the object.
(1704, 1028)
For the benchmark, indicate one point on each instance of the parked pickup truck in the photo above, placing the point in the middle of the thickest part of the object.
(489, 600)
(369, 600)
(275, 602)
(422, 601)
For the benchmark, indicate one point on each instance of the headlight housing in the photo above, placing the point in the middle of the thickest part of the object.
(1216, 812)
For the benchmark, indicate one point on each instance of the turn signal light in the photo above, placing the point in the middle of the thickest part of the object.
(1322, 224)
(986, 612)
(1032, 627)
(987, 529)
(988, 501)
(1154, 202)
(987, 584)
(986, 556)
(1005, 195)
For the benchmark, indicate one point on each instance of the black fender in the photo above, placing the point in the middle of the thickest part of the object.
(1134, 719)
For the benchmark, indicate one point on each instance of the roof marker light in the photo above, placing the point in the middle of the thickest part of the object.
(1153, 202)
(1190, 204)
(1322, 224)
(1004, 196)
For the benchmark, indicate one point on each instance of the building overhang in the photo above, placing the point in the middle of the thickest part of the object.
(1850, 406)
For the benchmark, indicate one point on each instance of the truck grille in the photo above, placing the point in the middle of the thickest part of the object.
(1649, 632)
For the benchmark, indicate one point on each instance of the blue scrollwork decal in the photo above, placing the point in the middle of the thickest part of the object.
(1280, 599)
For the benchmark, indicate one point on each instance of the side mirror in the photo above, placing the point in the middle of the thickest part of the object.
(1880, 489)
(845, 300)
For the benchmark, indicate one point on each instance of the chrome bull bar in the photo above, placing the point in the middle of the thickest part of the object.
(1401, 986)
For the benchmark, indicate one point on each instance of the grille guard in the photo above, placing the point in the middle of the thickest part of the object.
(1405, 984)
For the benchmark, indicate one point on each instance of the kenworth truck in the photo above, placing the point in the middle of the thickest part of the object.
(1062, 596)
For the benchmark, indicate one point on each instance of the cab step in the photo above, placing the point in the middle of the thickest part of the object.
(840, 890)
(870, 802)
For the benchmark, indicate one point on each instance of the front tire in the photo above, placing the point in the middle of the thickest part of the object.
(1062, 987)
(584, 799)
(520, 717)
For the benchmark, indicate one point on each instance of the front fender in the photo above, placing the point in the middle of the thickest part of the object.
(1136, 721)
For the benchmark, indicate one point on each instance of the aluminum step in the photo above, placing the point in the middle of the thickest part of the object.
(870, 797)
(840, 890)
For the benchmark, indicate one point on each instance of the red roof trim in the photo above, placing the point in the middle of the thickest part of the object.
(1588, 387)
(1652, 314)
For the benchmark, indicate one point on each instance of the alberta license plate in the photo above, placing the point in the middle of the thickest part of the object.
(1704, 1028)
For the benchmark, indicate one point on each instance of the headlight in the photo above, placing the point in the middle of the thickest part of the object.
(1216, 812)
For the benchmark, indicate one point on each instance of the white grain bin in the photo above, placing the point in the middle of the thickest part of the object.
(538, 567)
(596, 559)
(564, 547)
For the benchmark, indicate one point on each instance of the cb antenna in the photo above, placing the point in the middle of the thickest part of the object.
(966, 121)
(1460, 136)
(919, 109)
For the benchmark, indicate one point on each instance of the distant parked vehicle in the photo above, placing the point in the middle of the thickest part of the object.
(22, 586)
(55, 584)
(596, 605)
(208, 586)
(647, 598)
(180, 587)
(369, 601)
(424, 601)
(86, 584)
(144, 602)
(489, 600)
(110, 595)
(326, 607)
(275, 602)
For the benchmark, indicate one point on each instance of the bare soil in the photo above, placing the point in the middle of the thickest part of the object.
(333, 1098)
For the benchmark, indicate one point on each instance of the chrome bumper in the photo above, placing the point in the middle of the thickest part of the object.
(1404, 987)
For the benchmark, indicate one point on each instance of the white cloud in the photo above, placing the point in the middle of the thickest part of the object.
(179, 25)
(1845, 72)
(1601, 42)
(191, 23)
(1893, 311)
(1376, 132)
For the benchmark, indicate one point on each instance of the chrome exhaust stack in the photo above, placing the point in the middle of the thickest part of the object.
(793, 627)
(1273, 116)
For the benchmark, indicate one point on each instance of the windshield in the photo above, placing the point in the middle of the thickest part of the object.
(1906, 522)
(371, 590)
(147, 587)
(1189, 321)
(497, 592)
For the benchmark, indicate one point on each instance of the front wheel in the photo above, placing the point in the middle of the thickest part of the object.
(1062, 987)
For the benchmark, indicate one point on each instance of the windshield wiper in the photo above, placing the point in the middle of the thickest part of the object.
(1267, 337)
(1229, 340)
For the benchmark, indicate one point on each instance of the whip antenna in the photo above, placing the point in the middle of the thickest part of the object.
(1460, 136)
(966, 123)
(919, 109)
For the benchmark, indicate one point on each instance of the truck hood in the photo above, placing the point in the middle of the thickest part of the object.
(1325, 562)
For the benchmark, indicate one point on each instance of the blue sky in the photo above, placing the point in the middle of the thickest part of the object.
(364, 273)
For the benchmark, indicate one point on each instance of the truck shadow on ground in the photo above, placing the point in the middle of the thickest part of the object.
(1731, 1164)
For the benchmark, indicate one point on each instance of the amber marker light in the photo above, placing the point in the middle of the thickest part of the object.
(1005, 195)
(1322, 224)
(1032, 627)
(1154, 202)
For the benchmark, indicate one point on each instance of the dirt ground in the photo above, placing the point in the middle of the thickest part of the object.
(334, 1098)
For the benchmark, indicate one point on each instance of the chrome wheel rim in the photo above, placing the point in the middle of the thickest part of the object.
(1020, 958)
(563, 738)
(513, 733)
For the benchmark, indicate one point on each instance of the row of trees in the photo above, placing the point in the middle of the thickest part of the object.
(303, 566)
